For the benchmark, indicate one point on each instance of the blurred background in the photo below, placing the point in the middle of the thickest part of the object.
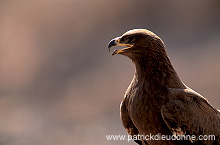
(60, 85)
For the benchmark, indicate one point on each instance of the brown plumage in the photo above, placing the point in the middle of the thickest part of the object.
(157, 102)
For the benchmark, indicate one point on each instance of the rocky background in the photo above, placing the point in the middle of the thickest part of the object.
(60, 86)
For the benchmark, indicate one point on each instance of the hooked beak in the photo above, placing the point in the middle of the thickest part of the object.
(117, 42)
(113, 42)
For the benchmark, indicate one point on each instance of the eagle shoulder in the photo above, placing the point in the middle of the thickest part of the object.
(188, 113)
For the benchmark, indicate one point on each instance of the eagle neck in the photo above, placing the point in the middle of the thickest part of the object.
(156, 71)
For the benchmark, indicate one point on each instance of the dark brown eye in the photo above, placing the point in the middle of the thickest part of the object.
(127, 39)
(130, 40)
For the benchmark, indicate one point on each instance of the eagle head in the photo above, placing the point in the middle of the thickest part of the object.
(136, 42)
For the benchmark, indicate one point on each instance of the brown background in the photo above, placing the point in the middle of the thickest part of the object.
(60, 86)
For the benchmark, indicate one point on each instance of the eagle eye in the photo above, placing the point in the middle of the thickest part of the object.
(123, 39)
(127, 39)
(131, 40)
